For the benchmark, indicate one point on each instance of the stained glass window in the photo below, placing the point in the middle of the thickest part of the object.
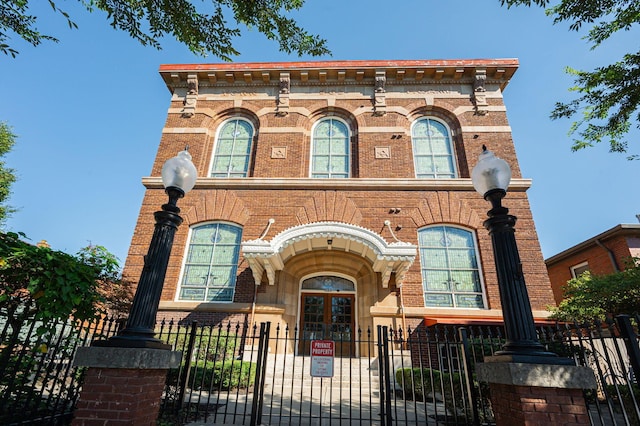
(211, 262)
(330, 150)
(232, 150)
(432, 150)
(450, 270)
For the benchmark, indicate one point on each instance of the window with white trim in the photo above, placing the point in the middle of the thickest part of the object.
(579, 269)
(211, 263)
(232, 149)
(450, 267)
(432, 150)
(449, 357)
(330, 149)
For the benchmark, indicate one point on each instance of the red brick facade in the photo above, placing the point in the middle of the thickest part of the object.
(537, 406)
(603, 254)
(122, 396)
(378, 101)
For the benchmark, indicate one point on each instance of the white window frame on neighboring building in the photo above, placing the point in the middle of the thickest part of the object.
(210, 275)
(442, 280)
(577, 270)
(449, 357)
(423, 149)
(319, 172)
(225, 169)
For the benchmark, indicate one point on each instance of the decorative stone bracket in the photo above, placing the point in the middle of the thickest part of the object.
(385, 258)
(479, 92)
(191, 98)
(284, 90)
(379, 101)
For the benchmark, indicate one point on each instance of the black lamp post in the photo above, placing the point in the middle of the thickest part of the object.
(178, 177)
(491, 177)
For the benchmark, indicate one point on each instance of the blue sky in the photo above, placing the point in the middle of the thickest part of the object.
(89, 111)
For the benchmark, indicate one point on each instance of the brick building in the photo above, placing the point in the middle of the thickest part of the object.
(603, 254)
(336, 195)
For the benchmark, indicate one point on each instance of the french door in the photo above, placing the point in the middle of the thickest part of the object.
(327, 316)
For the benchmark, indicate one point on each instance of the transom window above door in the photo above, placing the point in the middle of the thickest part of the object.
(328, 283)
(330, 149)
(232, 149)
(432, 150)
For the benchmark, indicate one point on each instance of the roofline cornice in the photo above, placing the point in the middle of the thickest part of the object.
(620, 229)
(434, 71)
(245, 66)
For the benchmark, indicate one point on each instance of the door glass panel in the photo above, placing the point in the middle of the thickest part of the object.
(328, 316)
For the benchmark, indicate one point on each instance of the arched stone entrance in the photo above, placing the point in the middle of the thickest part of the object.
(327, 249)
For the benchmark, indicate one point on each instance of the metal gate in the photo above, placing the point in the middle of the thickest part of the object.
(234, 374)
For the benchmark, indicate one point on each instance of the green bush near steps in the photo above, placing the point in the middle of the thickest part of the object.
(218, 375)
(422, 383)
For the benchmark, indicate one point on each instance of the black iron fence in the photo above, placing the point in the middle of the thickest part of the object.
(235, 374)
(38, 383)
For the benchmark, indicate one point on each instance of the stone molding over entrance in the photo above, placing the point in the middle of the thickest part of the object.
(386, 258)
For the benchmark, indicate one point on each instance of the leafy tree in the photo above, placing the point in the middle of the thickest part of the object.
(7, 140)
(46, 285)
(608, 97)
(596, 296)
(203, 28)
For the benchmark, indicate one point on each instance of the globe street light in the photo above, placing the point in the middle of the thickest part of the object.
(178, 177)
(491, 177)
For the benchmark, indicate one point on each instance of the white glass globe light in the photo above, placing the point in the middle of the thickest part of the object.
(490, 173)
(179, 172)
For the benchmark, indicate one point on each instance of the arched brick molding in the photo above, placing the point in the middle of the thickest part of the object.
(217, 205)
(445, 207)
(329, 206)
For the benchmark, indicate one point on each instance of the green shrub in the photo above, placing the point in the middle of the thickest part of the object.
(219, 375)
(422, 383)
(418, 383)
(219, 345)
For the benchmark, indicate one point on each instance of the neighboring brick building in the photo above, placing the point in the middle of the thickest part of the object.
(603, 254)
(337, 194)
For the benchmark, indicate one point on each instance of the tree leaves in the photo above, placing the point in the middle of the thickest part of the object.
(608, 101)
(596, 296)
(50, 285)
(7, 176)
(204, 29)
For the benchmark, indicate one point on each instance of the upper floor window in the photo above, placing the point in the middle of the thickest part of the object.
(450, 268)
(233, 149)
(330, 151)
(211, 263)
(579, 269)
(432, 150)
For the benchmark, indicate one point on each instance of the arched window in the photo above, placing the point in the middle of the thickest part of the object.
(330, 149)
(432, 150)
(232, 149)
(450, 268)
(211, 262)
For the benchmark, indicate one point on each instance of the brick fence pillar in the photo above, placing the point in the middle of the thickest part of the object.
(537, 394)
(122, 386)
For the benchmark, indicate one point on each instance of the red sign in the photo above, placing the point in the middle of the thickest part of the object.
(322, 353)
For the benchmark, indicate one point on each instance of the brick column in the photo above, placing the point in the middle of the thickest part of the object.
(537, 394)
(122, 386)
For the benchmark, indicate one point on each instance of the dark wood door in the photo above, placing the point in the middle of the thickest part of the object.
(327, 316)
